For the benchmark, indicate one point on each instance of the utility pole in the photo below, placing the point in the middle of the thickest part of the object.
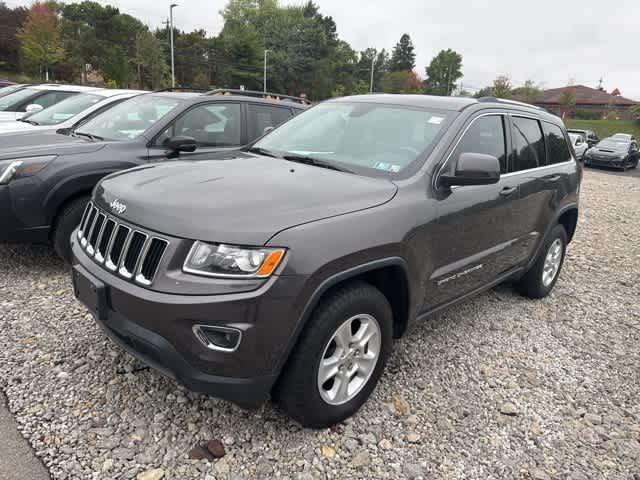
(265, 71)
(448, 80)
(373, 63)
(173, 67)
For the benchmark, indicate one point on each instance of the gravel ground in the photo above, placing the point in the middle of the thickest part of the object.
(498, 387)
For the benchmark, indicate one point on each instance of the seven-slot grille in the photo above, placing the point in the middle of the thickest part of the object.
(132, 253)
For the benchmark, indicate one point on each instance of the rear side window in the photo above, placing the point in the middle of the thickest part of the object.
(557, 148)
(485, 135)
(528, 144)
(264, 116)
(49, 99)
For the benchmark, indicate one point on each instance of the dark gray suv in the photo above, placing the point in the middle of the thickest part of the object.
(290, 267)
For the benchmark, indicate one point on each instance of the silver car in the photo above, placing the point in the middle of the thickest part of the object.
(579, 145)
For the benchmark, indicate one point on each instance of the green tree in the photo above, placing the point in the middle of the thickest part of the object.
(502, 87)
(443, 72)
(151, 66)
(380, 61)
(635, 110)
(10, 21)
(567, 99)
(39, 40)
(403, 58)
(484, 92)
(529, 93)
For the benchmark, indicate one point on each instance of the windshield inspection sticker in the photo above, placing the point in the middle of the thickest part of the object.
(387, 167)
(436, 120)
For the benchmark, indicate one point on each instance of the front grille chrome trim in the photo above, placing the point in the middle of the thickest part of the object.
(151, 265)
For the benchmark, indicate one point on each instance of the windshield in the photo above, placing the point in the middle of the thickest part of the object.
(65, 109)
(130, 119)
(366, 137)
(611, 144)
(574, 138)
(16, 97)
(8, 90)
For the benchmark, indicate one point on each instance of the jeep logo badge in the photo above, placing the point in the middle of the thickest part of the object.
(117, 206)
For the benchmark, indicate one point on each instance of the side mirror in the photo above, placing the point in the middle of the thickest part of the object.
(473, 169)
(178, 144)
(267, 130)
(34, 108)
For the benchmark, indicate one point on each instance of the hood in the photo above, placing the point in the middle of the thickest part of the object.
(16, 126)
(606, 152)
(69, 146)
(10, 116)
(34, 138)
(245, 200)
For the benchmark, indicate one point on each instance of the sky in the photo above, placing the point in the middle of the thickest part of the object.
(552, 42)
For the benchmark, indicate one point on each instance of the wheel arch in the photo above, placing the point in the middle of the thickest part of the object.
(389, 275)
(69, 189)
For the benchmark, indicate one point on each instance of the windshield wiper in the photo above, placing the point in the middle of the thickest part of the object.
(87, 135)
(30, 122)
(263, 151)
(307, 160)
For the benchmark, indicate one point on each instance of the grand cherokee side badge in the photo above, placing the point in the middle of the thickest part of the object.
(118, 207)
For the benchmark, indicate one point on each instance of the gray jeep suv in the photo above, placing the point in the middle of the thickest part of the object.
(288, 268)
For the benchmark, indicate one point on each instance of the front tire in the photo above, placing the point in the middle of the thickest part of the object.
(543, 275)
(339, 358)
(66, 222)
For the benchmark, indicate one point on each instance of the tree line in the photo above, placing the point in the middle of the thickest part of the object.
(87, 42)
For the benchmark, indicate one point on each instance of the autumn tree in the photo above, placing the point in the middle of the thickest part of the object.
(502, 87)
(39, 40)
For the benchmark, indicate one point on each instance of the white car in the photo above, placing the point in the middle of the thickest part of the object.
(579, 145)
(35, 98)
(70, 112)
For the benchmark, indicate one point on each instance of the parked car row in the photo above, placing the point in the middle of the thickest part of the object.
(618, 151)
(259, 247)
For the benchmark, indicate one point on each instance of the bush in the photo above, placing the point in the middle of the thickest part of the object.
(580, 114)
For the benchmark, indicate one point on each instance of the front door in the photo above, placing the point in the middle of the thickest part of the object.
(216, 126)
(475, 239)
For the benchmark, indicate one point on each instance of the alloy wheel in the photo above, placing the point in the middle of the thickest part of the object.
(349, 359)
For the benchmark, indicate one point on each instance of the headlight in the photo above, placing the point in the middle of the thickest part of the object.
(219, 260)
(22, 167)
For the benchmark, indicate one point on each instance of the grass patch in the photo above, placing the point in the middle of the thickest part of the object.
(606, 128)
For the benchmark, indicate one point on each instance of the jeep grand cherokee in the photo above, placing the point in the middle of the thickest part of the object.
(290, 267)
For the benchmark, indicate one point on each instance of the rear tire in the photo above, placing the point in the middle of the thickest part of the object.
(66, 222)
(543, 275)
(302, 391)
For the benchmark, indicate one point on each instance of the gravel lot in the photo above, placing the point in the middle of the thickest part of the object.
(499, 387)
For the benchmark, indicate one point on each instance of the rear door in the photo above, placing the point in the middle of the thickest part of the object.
(476, 239)
(261, 118)
(542, 164)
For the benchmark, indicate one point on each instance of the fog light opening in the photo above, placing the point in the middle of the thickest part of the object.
(218, 338)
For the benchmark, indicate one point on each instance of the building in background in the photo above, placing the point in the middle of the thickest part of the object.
(578, 101)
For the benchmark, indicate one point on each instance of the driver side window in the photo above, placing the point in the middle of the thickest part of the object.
(212, 125)
(485, 135)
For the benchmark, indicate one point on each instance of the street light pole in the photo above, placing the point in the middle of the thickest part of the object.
(265, 71)
(173, 68)
(373, 62)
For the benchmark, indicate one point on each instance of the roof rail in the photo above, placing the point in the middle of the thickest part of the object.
(256, 94)
(181, 89)
(506, 100)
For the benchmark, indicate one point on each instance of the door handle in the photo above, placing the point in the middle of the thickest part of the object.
(506, 191)
(555, 178)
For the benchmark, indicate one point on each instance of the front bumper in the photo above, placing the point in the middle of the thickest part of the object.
(605, 162)
(12, 226)
(156, 327)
